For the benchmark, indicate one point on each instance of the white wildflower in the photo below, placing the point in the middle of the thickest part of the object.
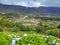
(54, 42)
(17, 39)
(25, 35)
(47, 36)
(13, 42)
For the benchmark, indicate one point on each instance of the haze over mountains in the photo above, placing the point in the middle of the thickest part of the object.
(16, 8)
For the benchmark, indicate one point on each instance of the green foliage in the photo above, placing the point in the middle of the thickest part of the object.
(1, 30)
(43, 26)
(6, 22)
(58, 26)
(14, 29)
(52, 32)
(49, 40)
(31, 40)
(25, 28)
(27, 39)
(5, 39)
(58, 33)
(11, 14)
(40, 29)
(28, 28)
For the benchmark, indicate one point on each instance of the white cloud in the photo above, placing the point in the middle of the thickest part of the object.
(32, 3)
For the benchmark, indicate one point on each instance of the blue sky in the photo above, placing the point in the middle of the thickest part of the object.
(32, 3)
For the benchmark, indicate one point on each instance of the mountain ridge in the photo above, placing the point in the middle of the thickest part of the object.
(42, 9)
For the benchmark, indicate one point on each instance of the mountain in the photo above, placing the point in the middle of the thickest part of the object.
(16, 8)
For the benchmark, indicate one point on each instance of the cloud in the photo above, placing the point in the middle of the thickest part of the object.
(54, 3)
(32, 3)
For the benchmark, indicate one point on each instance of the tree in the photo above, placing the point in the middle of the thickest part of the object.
(58, 26)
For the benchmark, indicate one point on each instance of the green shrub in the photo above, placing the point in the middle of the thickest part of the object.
(1, 30)
(5, 39)
(14, 29)
(54, 32)
(58, 33)
(31, 40)
(58, 26)
(51, 32)
(50, 39)
(40, 29)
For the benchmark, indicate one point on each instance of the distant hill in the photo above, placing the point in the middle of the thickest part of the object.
(15, 8)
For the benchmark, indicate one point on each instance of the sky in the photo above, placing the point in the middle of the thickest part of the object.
(32, 3)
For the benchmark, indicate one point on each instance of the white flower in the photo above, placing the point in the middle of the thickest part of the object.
(47, 36)
(25, 35)
(54, 42)
(17, 39)
(13, 42)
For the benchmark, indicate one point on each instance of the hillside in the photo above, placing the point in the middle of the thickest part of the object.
(43, 10)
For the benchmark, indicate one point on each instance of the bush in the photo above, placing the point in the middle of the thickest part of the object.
(5, 39)
(58, 33)
(25, 28)
(51, 32)
(58, 26)
(14, 29)
(40, 29)
(49, 40)
(54, 32)
(31, 40)
(1, 30)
